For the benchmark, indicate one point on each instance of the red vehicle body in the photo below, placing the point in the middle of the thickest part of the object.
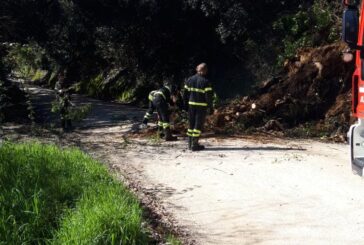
(358, 78)
(353, 35)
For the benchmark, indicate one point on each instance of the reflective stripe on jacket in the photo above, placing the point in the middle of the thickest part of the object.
(163, 93)
(198, 91)
(154, 93)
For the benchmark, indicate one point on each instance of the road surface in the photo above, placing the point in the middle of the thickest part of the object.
(238, 191)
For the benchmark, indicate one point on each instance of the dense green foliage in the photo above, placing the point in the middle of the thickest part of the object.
(27, 60)
(157, 39)
(63, 197)
(14, 104)
(3, 89)
(308, 27)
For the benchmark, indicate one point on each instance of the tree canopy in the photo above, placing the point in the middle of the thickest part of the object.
(153, 39)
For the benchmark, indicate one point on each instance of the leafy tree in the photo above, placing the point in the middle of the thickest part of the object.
(154, 39)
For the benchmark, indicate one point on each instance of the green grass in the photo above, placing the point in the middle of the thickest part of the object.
(53, 196)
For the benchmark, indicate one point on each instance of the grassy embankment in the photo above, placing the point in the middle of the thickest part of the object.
(51, 196)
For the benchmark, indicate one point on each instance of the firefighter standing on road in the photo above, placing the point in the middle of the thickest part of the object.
(159, 100)
(198, 99)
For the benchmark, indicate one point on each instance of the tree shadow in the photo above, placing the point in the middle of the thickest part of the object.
(268, 148)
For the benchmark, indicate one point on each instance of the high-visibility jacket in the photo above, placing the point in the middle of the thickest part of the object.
(162, 93)
(198, 92)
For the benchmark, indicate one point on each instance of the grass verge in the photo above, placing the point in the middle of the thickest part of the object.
(54, 196)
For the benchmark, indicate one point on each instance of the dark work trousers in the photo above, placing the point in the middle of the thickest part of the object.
(162, 108)
(197, 116)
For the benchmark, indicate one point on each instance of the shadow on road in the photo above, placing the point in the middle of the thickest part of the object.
(269, 148)
(103, 113)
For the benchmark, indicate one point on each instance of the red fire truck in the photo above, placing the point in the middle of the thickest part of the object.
(353, 31)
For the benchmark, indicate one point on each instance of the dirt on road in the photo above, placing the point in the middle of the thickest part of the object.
(238, 191)
(244, 191)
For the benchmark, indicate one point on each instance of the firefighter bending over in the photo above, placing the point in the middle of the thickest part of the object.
(160, 100)
(198, 99)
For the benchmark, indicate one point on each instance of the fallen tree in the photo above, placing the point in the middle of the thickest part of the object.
(313, 89)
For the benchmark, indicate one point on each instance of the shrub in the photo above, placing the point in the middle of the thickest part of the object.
(310, 27)
(27, 60)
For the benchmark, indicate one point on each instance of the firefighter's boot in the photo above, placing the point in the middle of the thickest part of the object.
(196, 146)
(145, 121)
(168, 135)
(190, 143)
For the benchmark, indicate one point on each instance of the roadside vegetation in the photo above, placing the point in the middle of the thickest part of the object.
(121, 49)
(54, 196)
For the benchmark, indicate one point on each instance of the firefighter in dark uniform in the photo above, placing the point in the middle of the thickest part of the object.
(198, 99)
(160, 100)
(65, 105)
(60, 84)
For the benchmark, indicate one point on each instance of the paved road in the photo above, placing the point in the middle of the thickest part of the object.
(238, 191)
